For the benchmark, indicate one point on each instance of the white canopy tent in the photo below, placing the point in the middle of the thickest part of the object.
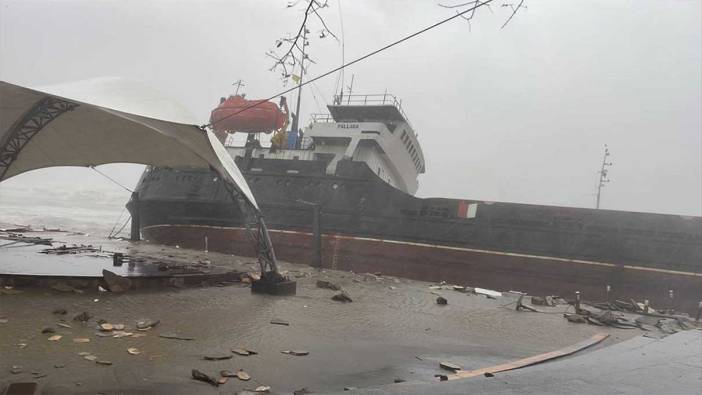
(39, 129)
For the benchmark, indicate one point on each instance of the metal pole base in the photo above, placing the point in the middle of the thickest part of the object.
(272, 283)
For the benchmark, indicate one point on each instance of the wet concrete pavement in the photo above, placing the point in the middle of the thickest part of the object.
(672, 365)
(393, 329)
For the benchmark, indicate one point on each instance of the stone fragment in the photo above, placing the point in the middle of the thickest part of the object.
(441, 301)
(342, 297)
(488, 374)
(241, 375)
(103, 362)
(222, 380)
(81, 340)
(133, 351)
(60, 312)
(16, 369)
(397, 381)
(107, 327)
(90, 357)
(115, 283)
(198, 375)
(146, 324)
(118, 327)
(55, 338)
(227, 373)
(328, 285)
(280, 322)
(63, 325)
(262, 388)
(48, 329)
(242, 352)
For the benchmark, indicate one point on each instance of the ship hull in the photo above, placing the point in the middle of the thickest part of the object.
(368, 226)
(533, 274)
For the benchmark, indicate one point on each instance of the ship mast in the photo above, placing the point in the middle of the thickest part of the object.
(299, 82)
(603, 175)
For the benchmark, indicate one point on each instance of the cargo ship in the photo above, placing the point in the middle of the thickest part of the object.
(354, 172)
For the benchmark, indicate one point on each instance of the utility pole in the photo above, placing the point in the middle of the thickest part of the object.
(603, 175)
(302, 73)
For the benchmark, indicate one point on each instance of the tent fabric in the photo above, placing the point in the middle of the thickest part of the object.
(82, 134)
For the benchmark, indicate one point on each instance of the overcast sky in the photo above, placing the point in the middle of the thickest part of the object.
(519, 114)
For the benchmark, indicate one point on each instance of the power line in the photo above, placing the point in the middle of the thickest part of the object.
(111, 179)
(366, 56)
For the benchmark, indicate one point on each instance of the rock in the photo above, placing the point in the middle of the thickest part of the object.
(103, 362)
(280, 322)
(81, 340)
(115, 282)
(576, 318)
(198, 375)
(297, 353)
(16, 369)
(217, 357)
(441, 301)
(342, 297)
(350, 388)
(488, 374)
(449, 366)
(146, 324)
(133, 351)
(106, 327)
(63, 325)
(55, 338)
(441, 377)
(118, 327)
(302, 391)
(328, 285)
(396, 381)
(227, 373)
(262, 388)
(222, 380)
(82, 317)
(104, 334)
(59, 366)
(241, 375)
(48, 329)
(243, 352)
(60, 312)
(90, 357)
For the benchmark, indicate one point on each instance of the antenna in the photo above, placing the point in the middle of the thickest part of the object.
(238, 84)
(603, 175)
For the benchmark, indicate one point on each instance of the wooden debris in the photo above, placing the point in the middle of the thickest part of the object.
(297, 353)
(175, 336)
(449, 366)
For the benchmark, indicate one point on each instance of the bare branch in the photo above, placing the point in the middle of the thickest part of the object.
(514, 12)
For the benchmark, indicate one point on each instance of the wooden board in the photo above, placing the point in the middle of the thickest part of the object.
(520, 363)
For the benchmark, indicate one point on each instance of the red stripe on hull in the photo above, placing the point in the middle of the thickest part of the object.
(487, 269)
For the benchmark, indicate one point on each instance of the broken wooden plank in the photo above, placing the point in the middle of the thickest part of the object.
(520, 363)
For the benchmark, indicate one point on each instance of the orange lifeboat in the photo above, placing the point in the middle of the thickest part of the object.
(237, 114)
